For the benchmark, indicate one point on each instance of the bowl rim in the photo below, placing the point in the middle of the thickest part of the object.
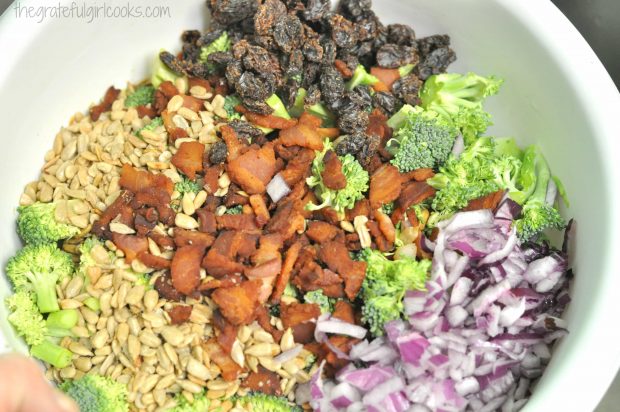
(554, 31)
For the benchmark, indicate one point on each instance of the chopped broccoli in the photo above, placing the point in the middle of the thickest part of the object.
(477, 172)
(406, 70)
(38, 268)
(259, 402)
(155, 123)
(317, 296)
(385, 285)
(95, 393)
(29, 324)
(361, 78)
(459, 98)
(310, 361)
(298, 107)
(538, 212)
(230, 102)
(279, 109)
(388, 208)
(37, 224)
(92, 304)
(507, 146)
(187, 186)
(221, 44)
(142, 96)
(59, 323)
(161, 72)
(339, 200)
(200, 404)
(319, 110)
(235, 210)
(423, 139)
(290, 291)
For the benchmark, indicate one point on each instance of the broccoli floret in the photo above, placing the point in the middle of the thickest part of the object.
(310, 361)
(357, 182)
(317, 296)
(155, 123)
(161, 72)
(388, 208)
(37, 224)
(38, 268)
(259, 402)
(361, 78)
(95, 393)
(422, 140)
(221, 44)
(200, 404)
(142, 96)
(538, 212)
(230, 102)
(29, 324)
(187, 186)
(477, 172)
(459, 98)
(385, 285)
(235, 210)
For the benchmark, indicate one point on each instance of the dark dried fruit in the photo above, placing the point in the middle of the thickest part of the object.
(392, 56)
(369, 149)
(428, 44)
(313, 95)
(218, 152)
(245, 130)
(351, 144)
(314, 10)
(343, 31)
(352, 119)
(294, 66)
(254, 90)
(436, 62)
(288, 33)
(226, 12)
(401, 34)
(332, 86)
(171, 62)
(355, 9)
(407, 89)
(234, 70)
(329, 51)
(267, 15)
(259, 60)
(313, 51)
(386, 101)
(220, 58)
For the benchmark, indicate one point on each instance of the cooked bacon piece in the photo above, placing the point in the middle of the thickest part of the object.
(174, 132)
(177, 133)
(179, 314)
(270, 121)
(302, 135)
(287, 219)
(286, 153)
(185, 268)
(263, 381)
(197, 81)
(414, 193)
(152, 261)
(386, 76)
(298, 168)
(301, 318)
(352, 240)
(361, 208)
(233, 143)
(131, 245)
(155, 197)
(142, 225)
(382, 243)
(312, 277)
(260, 209)
(489, 201)
(253, 169)
(342, 343)
(238, 303)
(221, 258)
(183, 237)
(106, 104)
(245, 244)
(207, 221)
(269, 249)
(344, 311)
(168, 89)
(188, 158)
(321, 231)
(211, 177)
(268, 264)
(236, 222)
(289, 261)
(146, 111)
(264, 318)
(328, 132)
(233, 198)
(332, 175)
(386, 225)
(100, 227)
(192, 103)
(224, 282)
(162, 240)
(336, 256)
(385, 186)
(163, 286)
(230, 370)
(377, 125)
(160, 101)
(420, 175)
(335, 291)
(137, 180)
(344, 70)
(227, 332)
(310, 120)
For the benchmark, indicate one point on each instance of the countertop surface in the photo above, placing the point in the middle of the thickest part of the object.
(599, 22)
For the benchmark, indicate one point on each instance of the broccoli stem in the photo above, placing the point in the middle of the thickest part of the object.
(53, 354)
(406, 70)
(63, 319)
(298, 107)
(45, 290)
(361, 77)
(278, 107)
(92, 304)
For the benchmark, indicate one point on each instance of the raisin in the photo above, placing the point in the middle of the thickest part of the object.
(361, 97)
(332, 86)
(392, 56)
(354, 9)
(428, 44)
(220, 58)
(245, 130)
(294, 65)
(260, 60)
(401, 35)
(313, 95)
(311, 74)
(218, 152)
(343, 31)
(288, 33)
(171, 62)
(313, 51)
(267, 15)
(369, 149)
(435, 62)
(226, 12)
(408, 88)
(329, 51)
(351, 144)
(386, 102)
(234, 70)
(314, 10)
(254, 90)
(352, 119)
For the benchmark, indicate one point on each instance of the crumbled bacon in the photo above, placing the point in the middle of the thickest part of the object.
(152, 261)
(320, 232)
(301, 318)
(239, 302)
(385, 186)
(106, 104)
(188, 158)
(414, 193)
(185, 268)
(253, 169)
(336, 256)
(221, 257)
(179, 314)
(302, 135)
(332, 175)
(230, 370)
(131, 245)
(289, 261)
(136, 180)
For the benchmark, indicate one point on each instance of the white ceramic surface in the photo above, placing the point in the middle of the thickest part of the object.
(556, 93)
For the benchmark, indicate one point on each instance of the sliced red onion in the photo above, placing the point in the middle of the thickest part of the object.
(503, 252)
(341, 328)
(289, 354)
(366, 379)
(382, 391)
(343, 395)
(277, 188)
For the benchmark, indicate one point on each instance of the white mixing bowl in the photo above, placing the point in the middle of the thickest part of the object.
(556, 93)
